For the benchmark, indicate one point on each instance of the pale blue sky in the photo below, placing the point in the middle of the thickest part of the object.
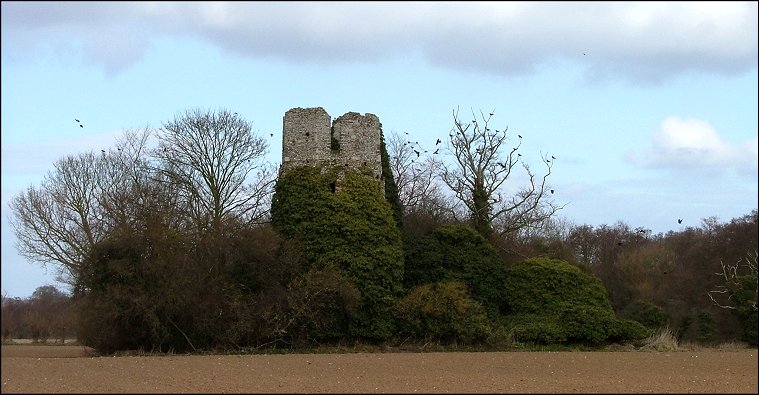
(650, 108)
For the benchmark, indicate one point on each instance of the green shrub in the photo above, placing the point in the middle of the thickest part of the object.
(743, 293)
(586, 323)
(647, 313)
(707, 327)
(442, 311)
(628, 330)
(535, 328)
(545, 286)
(553, 301)
(457, 253)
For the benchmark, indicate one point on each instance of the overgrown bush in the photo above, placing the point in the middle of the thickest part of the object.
(535, 328)
(442, 311)
(322, 303)
(647, 313)
(553, 301)
(455, 252)
(117, 310)
(743, 291)
(707, 327)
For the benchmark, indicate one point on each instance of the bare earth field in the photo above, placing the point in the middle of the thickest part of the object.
(73, 369)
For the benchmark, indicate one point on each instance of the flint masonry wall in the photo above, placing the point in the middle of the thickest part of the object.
(308, 135)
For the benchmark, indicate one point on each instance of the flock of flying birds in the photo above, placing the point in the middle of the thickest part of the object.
(417, 152)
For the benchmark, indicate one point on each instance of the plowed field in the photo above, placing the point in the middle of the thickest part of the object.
(72, 369)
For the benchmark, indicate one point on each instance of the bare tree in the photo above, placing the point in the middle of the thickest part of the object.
(732, 291)
(60, 221)
(211, 156)
(415, 175)
(81, 201)
(482, 166)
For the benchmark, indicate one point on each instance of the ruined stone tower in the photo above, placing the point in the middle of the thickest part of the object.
(310, 138)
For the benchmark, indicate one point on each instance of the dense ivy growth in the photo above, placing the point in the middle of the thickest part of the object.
(391, 188)
(351, 229)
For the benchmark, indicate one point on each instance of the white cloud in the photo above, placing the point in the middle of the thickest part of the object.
(640, 41)
(689, 143)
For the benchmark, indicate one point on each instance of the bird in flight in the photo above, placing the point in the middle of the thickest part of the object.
(81, 126)
(435, 153)
(551, 191)
(520, 136)
(679, 220)
(437, 142)
(77, 121)
(553, 157)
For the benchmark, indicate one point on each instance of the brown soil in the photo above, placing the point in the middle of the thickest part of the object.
(74, 369)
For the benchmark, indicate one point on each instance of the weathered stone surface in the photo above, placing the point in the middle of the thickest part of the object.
(310, 138)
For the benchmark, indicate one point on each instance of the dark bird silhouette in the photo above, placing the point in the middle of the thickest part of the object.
(437, 142)
(553, 157)
(271, 134)
(679, 220)
(417, 153)
(520, 136)
(102, 150)
(491, 114)
(405, 132)
(81, 126)
(518, 154)
(435, 153)
(620, 243)
(551, 191)
(77, 121)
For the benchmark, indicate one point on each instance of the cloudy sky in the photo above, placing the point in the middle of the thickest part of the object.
(650, 108)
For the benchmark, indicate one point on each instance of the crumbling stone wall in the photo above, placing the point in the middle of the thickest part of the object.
(309, 138)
